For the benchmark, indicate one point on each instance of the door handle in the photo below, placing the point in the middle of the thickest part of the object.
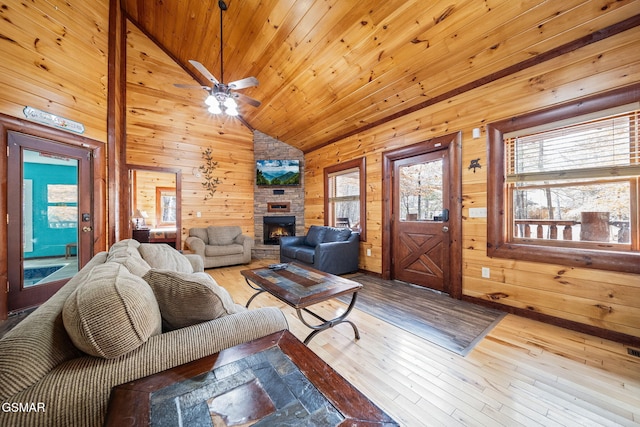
(445, 229)
(87, 229)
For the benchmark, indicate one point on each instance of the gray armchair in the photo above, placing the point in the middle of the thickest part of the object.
(329, 249)
(220, 245)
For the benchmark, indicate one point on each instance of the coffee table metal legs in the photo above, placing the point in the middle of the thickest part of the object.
(255, 288)
(326, 324)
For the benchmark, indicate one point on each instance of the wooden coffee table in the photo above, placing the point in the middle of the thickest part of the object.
(301, 286)
(275, 380)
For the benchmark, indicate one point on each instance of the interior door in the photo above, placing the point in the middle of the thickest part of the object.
(50, 232)
(420, 220)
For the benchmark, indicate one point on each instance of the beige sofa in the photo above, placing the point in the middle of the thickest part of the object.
(220, 245)
(112, 309)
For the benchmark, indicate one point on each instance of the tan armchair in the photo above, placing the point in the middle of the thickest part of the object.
(220, 245)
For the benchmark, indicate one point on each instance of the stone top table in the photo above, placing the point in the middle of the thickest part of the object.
(275, 380)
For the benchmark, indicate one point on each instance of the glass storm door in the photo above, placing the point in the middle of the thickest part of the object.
(420, 220)
(50, 232)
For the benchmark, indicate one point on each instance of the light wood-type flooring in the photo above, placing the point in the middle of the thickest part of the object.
(523, 373)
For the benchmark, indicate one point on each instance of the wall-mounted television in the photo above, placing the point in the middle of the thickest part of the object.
(277, 172)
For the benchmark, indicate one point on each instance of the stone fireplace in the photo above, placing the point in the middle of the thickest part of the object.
(276, 205)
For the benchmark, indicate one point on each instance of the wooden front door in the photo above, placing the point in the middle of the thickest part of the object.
(50, 216)
(420, 220)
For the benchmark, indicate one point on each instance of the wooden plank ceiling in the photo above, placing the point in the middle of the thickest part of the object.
(330, 67)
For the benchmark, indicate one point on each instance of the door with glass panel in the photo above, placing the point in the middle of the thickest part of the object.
(420, 220)
(50, 219)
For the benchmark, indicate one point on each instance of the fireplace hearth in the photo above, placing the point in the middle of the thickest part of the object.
(277, 226)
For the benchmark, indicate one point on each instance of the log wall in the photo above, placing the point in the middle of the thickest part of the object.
(602, 299)
(170, 127)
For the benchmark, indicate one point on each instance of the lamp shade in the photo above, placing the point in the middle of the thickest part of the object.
(215, 109)
(210, 100)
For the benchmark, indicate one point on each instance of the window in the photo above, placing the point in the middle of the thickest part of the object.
(165, 206)
(421, 190)
(62, 205)
(345, 196)
(566, 190)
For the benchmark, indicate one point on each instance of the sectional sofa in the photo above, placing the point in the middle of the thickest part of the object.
(133, 311)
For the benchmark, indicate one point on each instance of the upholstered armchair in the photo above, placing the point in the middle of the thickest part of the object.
(220, 245)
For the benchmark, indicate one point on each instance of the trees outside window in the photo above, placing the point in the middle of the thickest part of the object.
(579, 179)
(564, 187)
(345, 195)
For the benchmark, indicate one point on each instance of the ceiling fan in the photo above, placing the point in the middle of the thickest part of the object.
(222, 96)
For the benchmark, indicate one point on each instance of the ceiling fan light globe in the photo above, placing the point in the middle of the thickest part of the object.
(210, 101)
(215, 109)
(230, 103)
(231, 111)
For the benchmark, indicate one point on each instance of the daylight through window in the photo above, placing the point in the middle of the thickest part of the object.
(574, 184)
(344, 204)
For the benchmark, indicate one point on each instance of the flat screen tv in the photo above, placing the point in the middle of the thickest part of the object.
(277, 172)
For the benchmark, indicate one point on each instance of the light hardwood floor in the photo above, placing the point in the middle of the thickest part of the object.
(523, 373)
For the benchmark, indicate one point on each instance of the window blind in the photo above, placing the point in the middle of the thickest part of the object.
(600, 148)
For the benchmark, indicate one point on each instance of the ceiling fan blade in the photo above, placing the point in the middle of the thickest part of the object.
(203, 70)
(244, 83)
(247, 99)
(191, 86)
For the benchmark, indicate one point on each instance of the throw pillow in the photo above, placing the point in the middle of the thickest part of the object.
(128, 255)
(223, 235)
(315, 235)
(187, 299)
(161, 255)
(111, 313)
(126, 243)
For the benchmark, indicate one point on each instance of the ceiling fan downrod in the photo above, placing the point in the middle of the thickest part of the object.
(222, 97)
(223, 7)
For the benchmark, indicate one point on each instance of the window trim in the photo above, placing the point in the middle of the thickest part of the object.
(498, 245)
(360, 164)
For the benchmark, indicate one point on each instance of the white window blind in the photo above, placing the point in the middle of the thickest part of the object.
(606, 147)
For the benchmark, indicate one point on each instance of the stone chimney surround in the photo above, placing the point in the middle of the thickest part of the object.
(275, 201)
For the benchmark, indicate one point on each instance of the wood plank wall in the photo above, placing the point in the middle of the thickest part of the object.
(601, 299)
(54, 58)
(170, 127)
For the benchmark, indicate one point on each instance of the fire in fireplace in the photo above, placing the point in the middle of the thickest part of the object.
(276, 227)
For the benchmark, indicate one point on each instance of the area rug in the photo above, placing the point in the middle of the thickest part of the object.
(449, 323)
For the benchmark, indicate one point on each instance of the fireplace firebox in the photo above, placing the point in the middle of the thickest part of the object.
(276, 227)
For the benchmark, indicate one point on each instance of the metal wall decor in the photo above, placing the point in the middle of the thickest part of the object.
(475, 163)
(210, 183)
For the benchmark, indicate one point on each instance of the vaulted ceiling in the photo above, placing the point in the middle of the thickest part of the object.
(328, 68)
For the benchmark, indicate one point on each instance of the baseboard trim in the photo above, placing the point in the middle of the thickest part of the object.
(556, 321)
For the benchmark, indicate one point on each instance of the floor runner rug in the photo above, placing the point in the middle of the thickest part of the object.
(449, 323)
